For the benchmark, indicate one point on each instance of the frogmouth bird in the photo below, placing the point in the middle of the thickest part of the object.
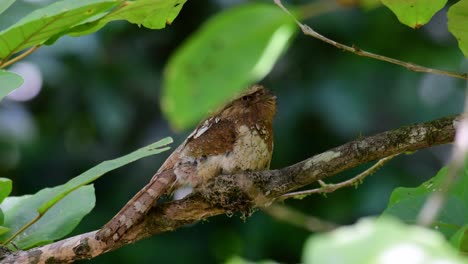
(237, 138)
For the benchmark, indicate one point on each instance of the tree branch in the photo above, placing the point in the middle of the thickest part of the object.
(331, 187)
(241, 192)
(308, 31)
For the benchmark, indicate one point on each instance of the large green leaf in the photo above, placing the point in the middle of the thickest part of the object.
(406, 203)
(5, 188)
(56, 223)
(20, 211)
(414, 13)
(9, 81)
(458, 24)
(229, 52)
(44, 23)
(5, 4)
(153, 14)
(380, 241)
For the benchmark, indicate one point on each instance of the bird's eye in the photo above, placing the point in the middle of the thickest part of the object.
(246, 97)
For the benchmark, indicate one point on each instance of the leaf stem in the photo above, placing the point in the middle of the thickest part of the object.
(21, 230)
(7, 63)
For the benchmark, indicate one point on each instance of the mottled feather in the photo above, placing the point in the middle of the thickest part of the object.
(237, 137)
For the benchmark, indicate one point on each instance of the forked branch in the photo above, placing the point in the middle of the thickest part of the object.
(258, 189)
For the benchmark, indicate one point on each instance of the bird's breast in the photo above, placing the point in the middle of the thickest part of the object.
(252, 151)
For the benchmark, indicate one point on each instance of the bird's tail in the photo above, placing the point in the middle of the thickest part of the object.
(137, 207)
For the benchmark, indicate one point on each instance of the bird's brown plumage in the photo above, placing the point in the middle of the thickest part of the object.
(239, 137)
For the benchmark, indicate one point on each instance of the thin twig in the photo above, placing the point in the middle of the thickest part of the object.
(434, 203)
(328, 188)
(297, 218)
(4, 64)
(356, 50)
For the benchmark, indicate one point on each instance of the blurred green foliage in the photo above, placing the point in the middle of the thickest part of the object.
(414, 244)
(405, 203)
(221, 59)
(457, 17)
(101, 98)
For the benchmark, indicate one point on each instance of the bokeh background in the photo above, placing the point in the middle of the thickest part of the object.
(96, 97)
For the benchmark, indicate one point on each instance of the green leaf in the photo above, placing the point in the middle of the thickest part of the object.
(5, 188)
(21, 210)
(414, 13)
(460, 239)
(153, 14)
(40, 25)
(55, 224)
(458, 24)
(384, 240)
(405, 203)
(9, 203)
(104, 167)
(5, 4)
(3, 230)
(12, 201)
(9, 81)
(229, 52)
